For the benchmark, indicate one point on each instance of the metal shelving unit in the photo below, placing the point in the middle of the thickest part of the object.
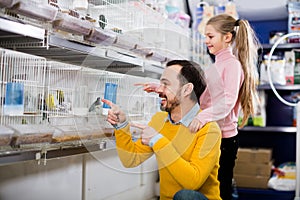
(279, 87)
(286, 46)
(144, 58)
(270, 129)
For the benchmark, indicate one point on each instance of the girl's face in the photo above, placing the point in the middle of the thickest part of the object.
(214, 40)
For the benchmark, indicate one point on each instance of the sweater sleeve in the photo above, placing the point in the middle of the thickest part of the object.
(131, 153)
(221, 93)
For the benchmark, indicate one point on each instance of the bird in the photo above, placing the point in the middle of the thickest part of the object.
(60, 96)
(102, 21)
(50, 102)
(95, 105)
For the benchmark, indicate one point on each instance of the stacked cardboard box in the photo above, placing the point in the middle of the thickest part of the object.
(253, 167)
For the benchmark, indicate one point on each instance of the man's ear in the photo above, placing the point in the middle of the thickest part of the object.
(188, 88)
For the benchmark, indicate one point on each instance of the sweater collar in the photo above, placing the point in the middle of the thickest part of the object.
(187, 119)
(223, 54)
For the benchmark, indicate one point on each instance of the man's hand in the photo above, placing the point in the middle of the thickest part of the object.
(115, 114)
(148, 87)
(195, 125)
(147, 132)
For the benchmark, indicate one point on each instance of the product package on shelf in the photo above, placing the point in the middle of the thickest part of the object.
(289, 57)
(297, 66)
(259, 117)
(253, 167)
(277, 68)
(284, 177)
(293, 20)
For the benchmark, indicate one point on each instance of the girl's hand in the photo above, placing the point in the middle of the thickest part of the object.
(148, 87)
(195, 125)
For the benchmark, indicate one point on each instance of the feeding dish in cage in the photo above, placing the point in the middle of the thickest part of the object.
(8, 3)
(100, 36)
(125, 42)
(142, 49)
(34, 10)
(156, 57)
(5, 135)
(71, 132)
(31, 133)
(71, 24)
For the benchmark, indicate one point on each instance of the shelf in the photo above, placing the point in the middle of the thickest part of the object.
(282, 46)
(48, 151)
(37, 41)
(279, 87)
(264, 194)
(271, 129)
(19, 28)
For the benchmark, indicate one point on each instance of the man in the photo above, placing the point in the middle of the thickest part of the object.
(186, 161)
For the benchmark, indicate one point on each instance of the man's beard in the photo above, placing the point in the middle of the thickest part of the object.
(171, 104)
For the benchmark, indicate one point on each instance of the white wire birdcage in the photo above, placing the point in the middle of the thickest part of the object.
(117, 15)
(142, 25)
(137, 104)
(22, 87)
(62, 82)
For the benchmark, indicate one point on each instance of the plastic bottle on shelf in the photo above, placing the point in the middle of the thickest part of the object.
(235, 194)
(220, 7)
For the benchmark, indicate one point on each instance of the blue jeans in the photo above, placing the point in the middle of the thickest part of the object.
(189, 195)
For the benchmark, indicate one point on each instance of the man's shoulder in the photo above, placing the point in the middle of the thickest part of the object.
(158, 120)
(160, 115)
(211, 127)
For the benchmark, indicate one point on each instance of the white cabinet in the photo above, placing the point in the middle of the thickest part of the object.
(59, 179)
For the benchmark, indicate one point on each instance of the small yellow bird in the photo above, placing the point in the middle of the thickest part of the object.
(60, 96)
(50, 102)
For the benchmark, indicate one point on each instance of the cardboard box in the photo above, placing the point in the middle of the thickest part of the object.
(253, 169)
(258, 155)
(250, 181)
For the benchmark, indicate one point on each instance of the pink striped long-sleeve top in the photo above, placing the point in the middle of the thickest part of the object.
(220, 101)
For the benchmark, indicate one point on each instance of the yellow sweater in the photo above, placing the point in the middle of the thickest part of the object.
(185, 160)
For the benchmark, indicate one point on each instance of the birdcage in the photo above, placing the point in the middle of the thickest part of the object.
(62, 82)
(22, 79)
(137, 104)
(145, 30)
